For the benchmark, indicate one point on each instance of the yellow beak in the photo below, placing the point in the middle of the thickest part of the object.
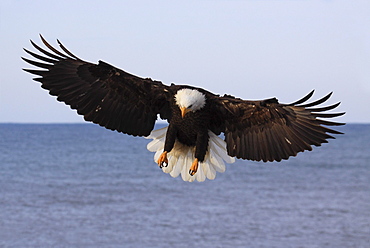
(184, 111)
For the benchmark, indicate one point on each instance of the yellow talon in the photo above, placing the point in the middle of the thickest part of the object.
(162, 161)
(194, 167)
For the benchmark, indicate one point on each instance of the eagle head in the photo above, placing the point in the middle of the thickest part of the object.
(190, 100)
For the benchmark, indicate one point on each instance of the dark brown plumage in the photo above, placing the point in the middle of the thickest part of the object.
(257, 130)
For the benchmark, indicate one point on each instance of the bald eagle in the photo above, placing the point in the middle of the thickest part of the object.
(190, 145)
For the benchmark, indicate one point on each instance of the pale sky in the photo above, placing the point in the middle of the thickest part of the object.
(251, 49)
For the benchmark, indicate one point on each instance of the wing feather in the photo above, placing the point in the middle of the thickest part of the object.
(102, 93)
(43, 51)
(323, 109)
(303, 99)
(67, 51)
(324, 99)
(37, 56)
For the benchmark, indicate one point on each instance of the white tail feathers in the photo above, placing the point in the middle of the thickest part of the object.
(181, 157)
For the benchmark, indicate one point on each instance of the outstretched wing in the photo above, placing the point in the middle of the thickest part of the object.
(269, 131)
(100, 92)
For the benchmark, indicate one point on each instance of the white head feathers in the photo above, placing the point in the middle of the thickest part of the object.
(190, 99)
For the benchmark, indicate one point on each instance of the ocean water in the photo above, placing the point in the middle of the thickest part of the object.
(80, 185)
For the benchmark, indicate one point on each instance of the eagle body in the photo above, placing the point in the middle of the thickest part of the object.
(189, 131)
(192, 128)
(264, 130)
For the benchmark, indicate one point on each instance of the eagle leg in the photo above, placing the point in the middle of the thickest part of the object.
(163, 161)
(194, 167)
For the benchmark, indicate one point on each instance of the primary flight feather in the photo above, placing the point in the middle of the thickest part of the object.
(256, 130)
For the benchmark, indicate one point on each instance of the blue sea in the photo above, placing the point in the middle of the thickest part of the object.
(80, 185)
